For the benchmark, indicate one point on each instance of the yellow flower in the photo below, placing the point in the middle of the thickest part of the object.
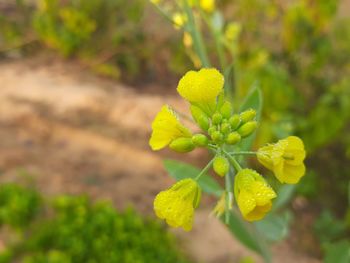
(285, 158)
(253, 194)
(187, 40)
(201, 86)
(166, 128)
(155, 2)
(232, 31)
(207, 5)
(179, 20)
(176, 205)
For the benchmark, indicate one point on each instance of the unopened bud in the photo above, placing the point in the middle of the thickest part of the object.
(211, 130)
(247, 128)
(221, 165)
(200, 117)
(235, 121)
(182, 145)
(217, 118)
(225, 128)
(248, 115)
(226, 109)
(217, 136)
(233, 138)
(200, 140)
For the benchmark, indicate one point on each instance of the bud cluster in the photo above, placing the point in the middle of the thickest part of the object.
(222, 127)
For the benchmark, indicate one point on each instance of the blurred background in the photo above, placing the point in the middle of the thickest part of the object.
(81, 81)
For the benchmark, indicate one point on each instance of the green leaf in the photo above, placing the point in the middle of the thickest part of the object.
(248, 236)
(338, 252)
(179, 170)
(274, 227)
(254, 100)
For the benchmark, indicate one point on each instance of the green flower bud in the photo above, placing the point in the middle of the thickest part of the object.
(233, 138)
(182, 145)
(247, 128)
(200, 117)
(235, 121)
(217, 118)
(200, 140)
(211, 130)
(247, 115)
(221, 165)
(225, 128)
(217, 137)
(226, 109)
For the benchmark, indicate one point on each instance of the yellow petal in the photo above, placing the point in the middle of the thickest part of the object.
(263, 193)
(259, 212)
(295, 148)
(270, 155)
(246, 202)
(176, 205)
(165, 128)
(289, 174)
(201, 86)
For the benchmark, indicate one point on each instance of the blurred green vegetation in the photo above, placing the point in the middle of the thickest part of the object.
(299, 52)
(73, 229)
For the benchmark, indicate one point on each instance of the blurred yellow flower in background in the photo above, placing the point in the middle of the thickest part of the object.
(285, 158)
(166, 127)
(155, 2)
(176, 205)
(179, 20)
(232, 31)
(207, 5)
(253, 194)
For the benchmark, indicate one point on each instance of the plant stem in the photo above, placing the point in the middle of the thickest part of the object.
(164, 14)
(243, 153)
(233, 161)
(219, 47)
(196, 36)
(229, 195)
(205, 169)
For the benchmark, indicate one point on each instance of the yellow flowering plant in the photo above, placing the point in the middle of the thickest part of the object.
(226, 128)
(221, 128)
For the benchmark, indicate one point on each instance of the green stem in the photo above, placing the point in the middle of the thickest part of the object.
(229, 195)
(243, 153)
(219, 47)
(196, 36)
(233, 161)
(205, 169)
(220, 51)
(212, 146)
(164, 14)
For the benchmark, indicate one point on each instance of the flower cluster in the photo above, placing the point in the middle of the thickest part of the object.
(220, 128)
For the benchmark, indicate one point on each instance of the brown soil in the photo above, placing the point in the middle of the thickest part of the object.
(70, 132)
